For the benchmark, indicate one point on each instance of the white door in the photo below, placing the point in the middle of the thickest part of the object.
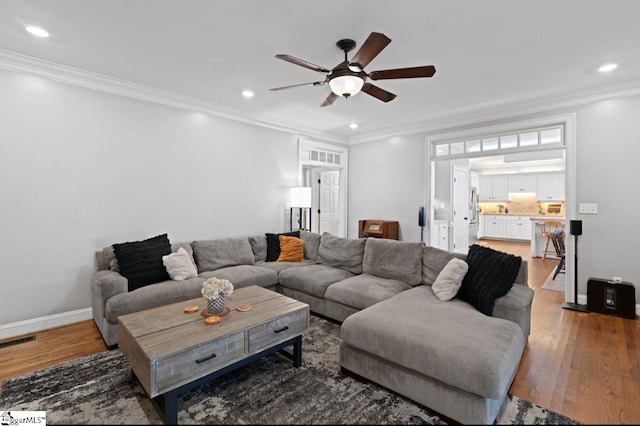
(460, 210)
(329, 202)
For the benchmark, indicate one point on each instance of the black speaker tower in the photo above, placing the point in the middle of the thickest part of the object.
(575, 229)
(421, 222)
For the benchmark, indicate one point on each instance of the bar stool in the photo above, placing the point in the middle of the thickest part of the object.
(547, 227)
(558, 243)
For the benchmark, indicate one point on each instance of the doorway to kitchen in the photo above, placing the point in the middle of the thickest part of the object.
(530, 152)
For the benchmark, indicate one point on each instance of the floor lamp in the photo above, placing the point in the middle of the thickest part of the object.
(300, 198)
(575, 229)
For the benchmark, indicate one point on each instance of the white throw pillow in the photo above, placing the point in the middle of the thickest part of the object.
(449, 280)
(179, 265)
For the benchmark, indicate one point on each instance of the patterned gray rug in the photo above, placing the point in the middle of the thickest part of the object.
(100, 389)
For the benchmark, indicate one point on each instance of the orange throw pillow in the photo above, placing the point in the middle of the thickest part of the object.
(291, 249)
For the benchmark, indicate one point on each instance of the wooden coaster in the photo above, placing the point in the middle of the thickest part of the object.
(213, 319)
(205, 312)
(243, 307)
(191, 309)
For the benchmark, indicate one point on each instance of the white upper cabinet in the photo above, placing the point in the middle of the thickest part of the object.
(493, 188)
(551, 187)
(523, 183)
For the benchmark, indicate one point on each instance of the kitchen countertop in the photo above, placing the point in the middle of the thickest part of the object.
(532, 216)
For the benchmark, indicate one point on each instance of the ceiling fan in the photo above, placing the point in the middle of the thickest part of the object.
(348, 77)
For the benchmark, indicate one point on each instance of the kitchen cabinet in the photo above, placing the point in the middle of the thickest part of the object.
(518, 227)
(440, 234)
(481, 232)
(495, 226)
(493, 188)
(551, 187)
(523, 183)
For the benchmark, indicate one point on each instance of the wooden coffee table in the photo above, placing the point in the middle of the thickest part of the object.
(171, 351)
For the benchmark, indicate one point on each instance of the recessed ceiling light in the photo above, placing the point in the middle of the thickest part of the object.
(353, 125)
(247, 93)
(37, 31)
(608, 67)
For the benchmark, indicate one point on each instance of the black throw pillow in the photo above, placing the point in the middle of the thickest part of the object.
(140, 262)
(491, 275)
(273, 244)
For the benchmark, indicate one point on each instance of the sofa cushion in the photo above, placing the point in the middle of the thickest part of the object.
(244, 275)
(364, 290)
(215, 254)
(433, 260)
(281, 266)
(491, 275)
(259, 247)
(311, 244)
(179, 265)
(343, 253)
(152, 296)
(312, 279)
(449, 280)
(140, 262)
(273, 244)
(450, 342)
(397, 260)
(291, 249)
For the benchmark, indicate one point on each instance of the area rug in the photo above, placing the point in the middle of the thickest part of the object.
(101, 389)
(557, 285)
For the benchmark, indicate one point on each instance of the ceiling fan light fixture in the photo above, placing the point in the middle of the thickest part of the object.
(346, 85)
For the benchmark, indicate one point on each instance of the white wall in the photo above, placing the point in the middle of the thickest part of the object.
(607, 173)
(82, 169)
(386, 181)
(607, 156)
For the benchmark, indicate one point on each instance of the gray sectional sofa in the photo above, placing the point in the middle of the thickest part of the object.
(447, 356)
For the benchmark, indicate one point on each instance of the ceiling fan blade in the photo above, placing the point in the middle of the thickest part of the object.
(377, 92)
(315, 83)
(372, 46)
(302, 63)
(330, 99)
(426, 71)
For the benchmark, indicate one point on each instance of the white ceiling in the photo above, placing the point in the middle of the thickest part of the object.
(488, 54)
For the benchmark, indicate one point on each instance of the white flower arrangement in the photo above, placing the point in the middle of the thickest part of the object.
(214, 287)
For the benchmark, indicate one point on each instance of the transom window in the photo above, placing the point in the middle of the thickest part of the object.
(523, 140)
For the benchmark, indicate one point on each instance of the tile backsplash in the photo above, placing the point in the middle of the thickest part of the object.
(524, 204)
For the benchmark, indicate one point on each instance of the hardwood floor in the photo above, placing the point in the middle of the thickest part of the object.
(585, 366)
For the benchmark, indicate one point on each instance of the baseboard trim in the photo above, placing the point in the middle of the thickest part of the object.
(582, 300)
(42, 323)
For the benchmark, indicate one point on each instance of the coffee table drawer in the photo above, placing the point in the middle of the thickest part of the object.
(283, 328)
(201, 360)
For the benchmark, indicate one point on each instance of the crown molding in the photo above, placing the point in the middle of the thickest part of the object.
(13, 61)
(509, 110)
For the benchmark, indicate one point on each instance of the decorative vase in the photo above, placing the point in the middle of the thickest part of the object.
(215, 305)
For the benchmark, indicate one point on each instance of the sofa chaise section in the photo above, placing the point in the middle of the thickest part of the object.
(445, 355)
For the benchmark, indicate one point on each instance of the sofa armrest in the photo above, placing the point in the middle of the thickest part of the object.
(104, 285)
(523, 274)
(516, 306)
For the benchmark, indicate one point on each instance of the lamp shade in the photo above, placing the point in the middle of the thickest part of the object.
(300, 197)
(346, 85)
